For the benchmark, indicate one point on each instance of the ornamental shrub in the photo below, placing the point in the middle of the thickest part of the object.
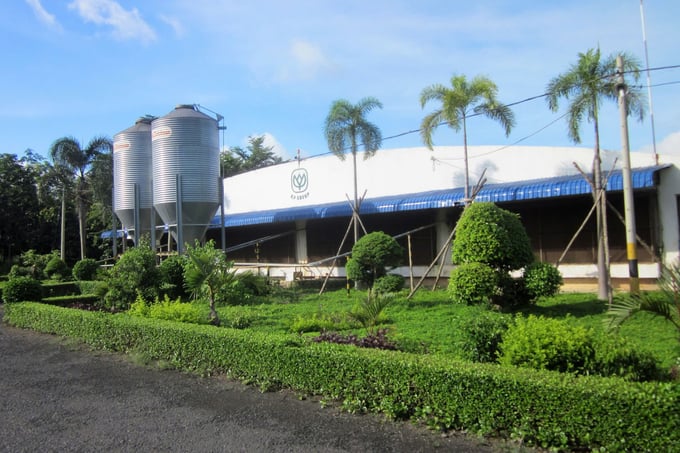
(372, 255)
(542, 280)
(488, 234)
(616, 356)
(85, 269)
(135, 271)
(390, 283)
(482, 336)
(548, 344)
(473, 283)
(20, 289)
(172, 276)
(56, 268)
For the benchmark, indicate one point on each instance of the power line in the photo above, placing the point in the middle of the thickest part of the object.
(529, 99)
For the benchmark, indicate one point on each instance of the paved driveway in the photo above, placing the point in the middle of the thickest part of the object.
(58, 396)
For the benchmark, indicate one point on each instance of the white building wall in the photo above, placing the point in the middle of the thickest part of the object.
(327, 179)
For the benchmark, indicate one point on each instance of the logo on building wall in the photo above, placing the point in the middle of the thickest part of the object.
(299, 184)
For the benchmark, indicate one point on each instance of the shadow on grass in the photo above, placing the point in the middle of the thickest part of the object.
(576, 306)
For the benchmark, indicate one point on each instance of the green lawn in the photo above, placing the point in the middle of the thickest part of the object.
(430, 322)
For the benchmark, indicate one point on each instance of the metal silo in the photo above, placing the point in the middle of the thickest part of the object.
(185, 150)
(132, 177)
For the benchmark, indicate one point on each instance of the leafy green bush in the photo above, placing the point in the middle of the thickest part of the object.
(245, 288)
(473, 283)
(135, 271)
(615, 356)
(20, 289)
(56, 268)
(372, 254)
(25, 271)
(488, 234)
(390, 283)
(170, 310)
(60, 289)
(85, 269)
(482, 337)
(542, 280)
(547, 344)
(547, 409)
(172, 276)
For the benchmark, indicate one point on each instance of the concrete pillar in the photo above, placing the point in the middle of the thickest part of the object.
(301, 241)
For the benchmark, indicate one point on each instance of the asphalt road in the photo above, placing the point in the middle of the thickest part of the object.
(59, 396)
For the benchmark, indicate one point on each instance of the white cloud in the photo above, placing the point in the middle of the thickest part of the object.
(174, 23)
(670, 144)
(277, 148)
(126, 24)
(43, 16)
(304, 61)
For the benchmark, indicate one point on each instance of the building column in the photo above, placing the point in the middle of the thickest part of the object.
(301, 241)
(442, 233)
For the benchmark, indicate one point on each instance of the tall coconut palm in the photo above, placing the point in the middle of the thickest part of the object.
(458, 103)
(346, 129)
(67, 154)
(586, 85)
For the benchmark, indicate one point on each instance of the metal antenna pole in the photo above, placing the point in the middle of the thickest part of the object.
(649, 83)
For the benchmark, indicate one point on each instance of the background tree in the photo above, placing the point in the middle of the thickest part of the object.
(100, 213)
(18, 206)
(459, 102)
(236, 160)
(586, 84)
(347, 128)
(68, 154)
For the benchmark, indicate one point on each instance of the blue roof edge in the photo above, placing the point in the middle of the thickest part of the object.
(553, 187)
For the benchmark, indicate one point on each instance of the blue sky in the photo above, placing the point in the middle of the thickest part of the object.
(84, 68)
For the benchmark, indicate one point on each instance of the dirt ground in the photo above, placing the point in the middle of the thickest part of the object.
(58, 396)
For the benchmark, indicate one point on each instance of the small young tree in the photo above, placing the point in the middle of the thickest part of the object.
(206, 271)
(372, 255)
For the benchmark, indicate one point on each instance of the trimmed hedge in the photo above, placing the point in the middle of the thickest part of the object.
(539, 407)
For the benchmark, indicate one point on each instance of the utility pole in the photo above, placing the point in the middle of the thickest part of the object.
(628, 203)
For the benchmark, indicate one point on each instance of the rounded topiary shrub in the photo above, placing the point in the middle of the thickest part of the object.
(390, 283)
(473, 283)
(56, 268)
(21, 289)
(488, 234)
(85, 269)
(372, 255)
(548, 344)
(542, 280)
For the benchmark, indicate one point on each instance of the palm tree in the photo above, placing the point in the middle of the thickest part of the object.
(666, 304)
(586, 84)
(459, 102)
(68, 155)
(347, 128)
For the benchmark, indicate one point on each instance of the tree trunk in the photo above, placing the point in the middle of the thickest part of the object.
(81, 228)
(602, 270)
(62, 243)
(467, 168)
